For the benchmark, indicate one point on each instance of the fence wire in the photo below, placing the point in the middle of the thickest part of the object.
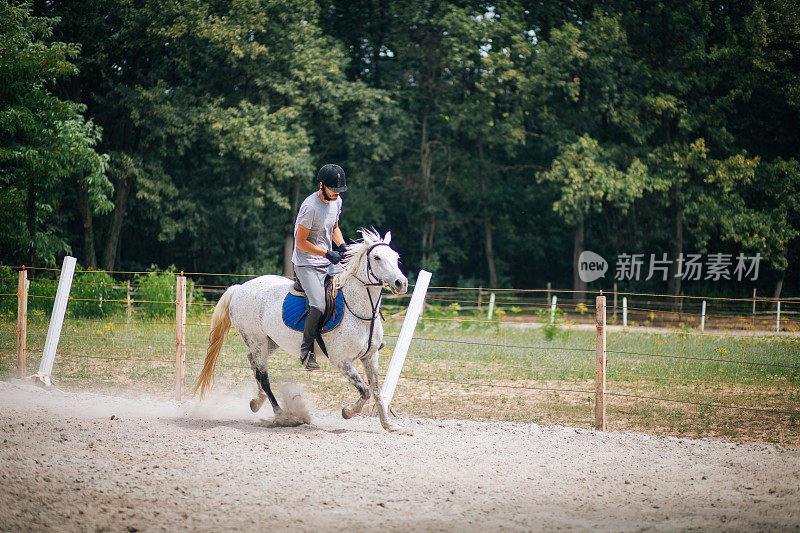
(521, 361)
(701, 404)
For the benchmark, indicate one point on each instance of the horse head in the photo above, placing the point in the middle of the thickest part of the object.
(378, 259)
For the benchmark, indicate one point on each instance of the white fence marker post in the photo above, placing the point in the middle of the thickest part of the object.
(624, 311)
(703, 316)
(553, 310)
(56, 320)
(404, 339)
(778, 318)
(491, 305)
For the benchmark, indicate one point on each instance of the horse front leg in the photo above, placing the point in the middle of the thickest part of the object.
(350, 372)
(371, 369)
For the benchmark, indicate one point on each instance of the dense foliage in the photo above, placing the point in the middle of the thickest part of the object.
(47, 154)
(498, 140)
(95, 294)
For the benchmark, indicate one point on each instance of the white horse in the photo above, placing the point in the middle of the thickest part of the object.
(254, 308)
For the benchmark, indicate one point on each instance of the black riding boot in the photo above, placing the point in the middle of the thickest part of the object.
(307, 357)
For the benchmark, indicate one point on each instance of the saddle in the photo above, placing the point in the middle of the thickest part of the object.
(295, 307)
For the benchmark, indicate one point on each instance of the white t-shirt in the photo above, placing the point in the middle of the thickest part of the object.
(319, 218)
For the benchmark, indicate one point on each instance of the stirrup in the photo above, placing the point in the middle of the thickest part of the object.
(309, 362)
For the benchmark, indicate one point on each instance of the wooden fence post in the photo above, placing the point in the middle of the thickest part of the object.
(615, 303)
(600, 365)
(754, 302)
(547, 301)
(180, 336)
(22, 323)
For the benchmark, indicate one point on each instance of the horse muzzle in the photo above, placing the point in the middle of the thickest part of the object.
(399, 286)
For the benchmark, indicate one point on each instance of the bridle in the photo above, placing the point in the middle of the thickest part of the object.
(370, 273)
(375, 305)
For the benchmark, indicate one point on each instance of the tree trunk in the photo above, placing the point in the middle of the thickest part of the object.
(487, 219)
(578, 285)
(779, 284)
(674, 283)
(428, 231)
(31, 222)
(777, 293)
(487, 225)
(288, 244)
(121, 191)
(89, 254)
(288, 248)
(429, 220)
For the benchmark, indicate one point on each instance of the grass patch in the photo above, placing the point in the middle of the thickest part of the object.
(476, 370)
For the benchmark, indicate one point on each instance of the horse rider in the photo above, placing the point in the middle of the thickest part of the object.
(318, 246)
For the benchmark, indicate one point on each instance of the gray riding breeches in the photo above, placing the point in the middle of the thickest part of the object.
(312, 280)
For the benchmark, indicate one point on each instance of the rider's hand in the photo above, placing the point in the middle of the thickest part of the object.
(333, 256)
(341, 248)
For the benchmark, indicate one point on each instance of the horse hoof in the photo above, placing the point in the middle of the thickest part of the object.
(345, 415)
(255, 405)
(399, 430)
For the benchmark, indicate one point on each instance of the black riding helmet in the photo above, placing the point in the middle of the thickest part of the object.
(332, 176)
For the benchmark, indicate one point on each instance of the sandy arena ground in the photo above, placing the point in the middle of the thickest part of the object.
(75, 461)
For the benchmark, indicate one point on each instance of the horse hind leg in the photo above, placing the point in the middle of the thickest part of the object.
(350, 372)
(258, 357)
(257, 402)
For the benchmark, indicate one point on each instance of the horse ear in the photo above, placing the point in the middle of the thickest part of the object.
(367, 237)
(388, 237)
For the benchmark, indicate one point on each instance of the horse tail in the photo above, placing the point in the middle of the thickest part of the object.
(220, 324)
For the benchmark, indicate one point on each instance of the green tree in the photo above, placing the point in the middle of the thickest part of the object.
(490, 50)
(762, 77)
(588, 181)
(585, 111)
(216, 116)
(456, 71)
(687, 54)
(46, 146)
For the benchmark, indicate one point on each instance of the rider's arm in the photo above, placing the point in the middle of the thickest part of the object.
(338, 238)
(301, 242)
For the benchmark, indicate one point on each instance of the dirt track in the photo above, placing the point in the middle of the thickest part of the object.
(65, 464)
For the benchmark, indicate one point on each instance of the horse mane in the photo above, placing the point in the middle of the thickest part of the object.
(355, 253)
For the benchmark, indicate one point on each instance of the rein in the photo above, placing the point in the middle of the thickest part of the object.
(375, 305)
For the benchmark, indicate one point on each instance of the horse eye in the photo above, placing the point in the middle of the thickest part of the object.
(377, 258)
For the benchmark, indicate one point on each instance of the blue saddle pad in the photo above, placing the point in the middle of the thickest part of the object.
(294, 306)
